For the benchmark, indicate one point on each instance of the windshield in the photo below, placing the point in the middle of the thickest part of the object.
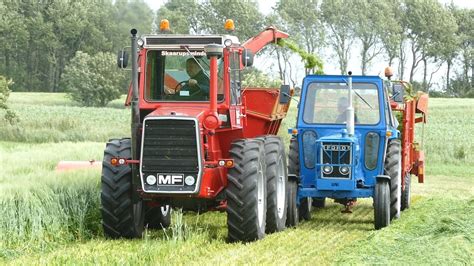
(326, 103)
(178, 76)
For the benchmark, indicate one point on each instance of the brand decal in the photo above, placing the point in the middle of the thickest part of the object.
(170, 179)
(329, 147)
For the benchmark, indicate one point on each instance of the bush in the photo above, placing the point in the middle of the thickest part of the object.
(9, 115)
(93, 80)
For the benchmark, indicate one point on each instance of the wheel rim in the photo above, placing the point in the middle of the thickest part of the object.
(260, 195)
(165, 210)
(281, 188)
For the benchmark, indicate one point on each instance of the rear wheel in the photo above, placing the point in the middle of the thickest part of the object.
(319, 202)
(306, 205)
(294, 170)
(382, 204)
(393, 168)
(121, 217)
(157, 217)
(292, 216)
(277, 180)
(247, 191)
(406, 193)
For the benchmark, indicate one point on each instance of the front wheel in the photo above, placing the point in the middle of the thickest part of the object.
(382, 204)
(121, 216)
(292, 216)
(306, 205)
(247, 191)
(158, 217)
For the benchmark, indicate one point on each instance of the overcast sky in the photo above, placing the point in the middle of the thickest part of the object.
(268, 64)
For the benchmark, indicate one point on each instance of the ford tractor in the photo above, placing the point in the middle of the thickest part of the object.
(348, 144)
(200, 140)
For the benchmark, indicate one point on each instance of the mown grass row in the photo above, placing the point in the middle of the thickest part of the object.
(435, 231)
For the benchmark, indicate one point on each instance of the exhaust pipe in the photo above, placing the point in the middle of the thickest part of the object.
(350, 109)
(134, 101)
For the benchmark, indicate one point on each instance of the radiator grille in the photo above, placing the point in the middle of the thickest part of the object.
(170, 146)
(336, 154)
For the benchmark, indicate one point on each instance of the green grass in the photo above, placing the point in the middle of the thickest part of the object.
(53, 218)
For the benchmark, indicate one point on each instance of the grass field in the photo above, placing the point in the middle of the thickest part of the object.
(53, 218)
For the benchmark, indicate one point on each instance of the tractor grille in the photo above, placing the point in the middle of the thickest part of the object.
(336, 154)
(170, 147)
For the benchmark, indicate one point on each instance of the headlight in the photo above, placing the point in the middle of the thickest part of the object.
(327, 169)
(151, 180)
(140, 42)
(228, 43)
(344, 170)
(189, 180)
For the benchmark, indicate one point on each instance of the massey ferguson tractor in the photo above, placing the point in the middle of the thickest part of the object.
(199, 141)
(348, 144)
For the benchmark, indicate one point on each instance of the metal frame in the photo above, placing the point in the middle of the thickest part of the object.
(198, 143)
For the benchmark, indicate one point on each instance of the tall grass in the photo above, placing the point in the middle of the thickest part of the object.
(41, 217)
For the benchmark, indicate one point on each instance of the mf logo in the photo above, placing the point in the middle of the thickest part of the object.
(171, 179)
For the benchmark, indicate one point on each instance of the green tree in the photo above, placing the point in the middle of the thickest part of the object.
(9, 115)
(465, 20)
(185, 16)
(304, 23)
(93, 80)
(430, 27)
(392, 33)
(248, 20)
(129, 14)
(369, 27)
(339, 16)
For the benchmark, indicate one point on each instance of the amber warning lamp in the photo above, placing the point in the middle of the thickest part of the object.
(164, 26)
(388, 72)
(229, 25)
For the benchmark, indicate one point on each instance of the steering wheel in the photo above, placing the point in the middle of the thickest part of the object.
(180, 85)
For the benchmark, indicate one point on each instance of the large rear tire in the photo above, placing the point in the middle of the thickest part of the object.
(406, 193)
(247, 191)
(277, 181)
(382, 204)
(305, 208)
(319, 202)
(121, 217)
(393, 168)
(158, 217)
(293, 215)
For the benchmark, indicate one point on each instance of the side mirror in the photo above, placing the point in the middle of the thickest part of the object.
(397, 93)
(247, 58)
(122, 59)
(285, 94)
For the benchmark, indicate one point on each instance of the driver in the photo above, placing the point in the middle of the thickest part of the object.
(197, 79)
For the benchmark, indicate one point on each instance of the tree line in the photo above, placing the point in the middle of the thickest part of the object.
(39, 39)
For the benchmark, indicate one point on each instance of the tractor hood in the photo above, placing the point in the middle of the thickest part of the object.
(193, 112)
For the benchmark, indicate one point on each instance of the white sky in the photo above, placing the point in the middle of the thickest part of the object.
(269, 66)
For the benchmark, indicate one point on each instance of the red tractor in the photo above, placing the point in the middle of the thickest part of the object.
(199, 140)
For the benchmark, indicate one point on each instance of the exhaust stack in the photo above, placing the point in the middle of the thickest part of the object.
(134, 101)
(350, 109)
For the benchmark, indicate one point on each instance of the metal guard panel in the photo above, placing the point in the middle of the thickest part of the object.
(170, 146)
(335, 184)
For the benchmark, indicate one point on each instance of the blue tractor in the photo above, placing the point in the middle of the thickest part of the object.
(345, 146)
